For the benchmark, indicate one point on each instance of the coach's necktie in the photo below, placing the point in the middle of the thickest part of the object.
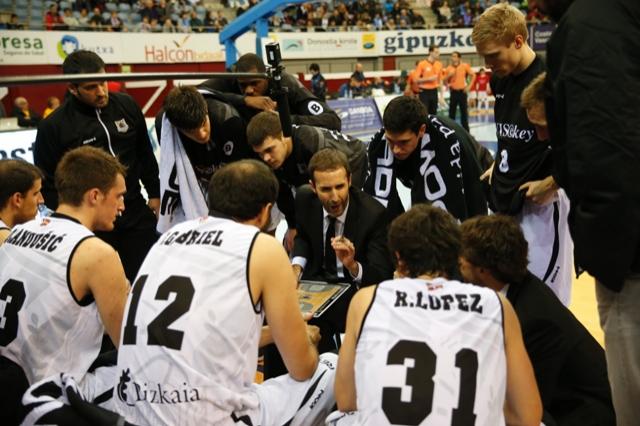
(329, 253)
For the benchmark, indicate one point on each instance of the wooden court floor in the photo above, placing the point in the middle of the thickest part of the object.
(584, 305)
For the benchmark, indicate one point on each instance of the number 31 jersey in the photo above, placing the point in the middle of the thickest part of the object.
(431, 353)
(190, 336)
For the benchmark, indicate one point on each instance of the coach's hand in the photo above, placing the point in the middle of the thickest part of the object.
(263, 103)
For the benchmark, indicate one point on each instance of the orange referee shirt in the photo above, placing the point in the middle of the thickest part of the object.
(427, 69)
(458, 81)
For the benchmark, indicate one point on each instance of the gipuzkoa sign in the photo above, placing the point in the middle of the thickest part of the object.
(418, 42)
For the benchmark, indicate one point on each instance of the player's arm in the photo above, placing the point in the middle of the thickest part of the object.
(345, 382)
(471, 74)
(541, 191)
(96, 270)
(522, 405)
(271, 280)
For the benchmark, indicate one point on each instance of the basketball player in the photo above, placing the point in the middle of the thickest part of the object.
(425, 350)
(61, 287)
(523, 162)
(193, 324)
(19, 194)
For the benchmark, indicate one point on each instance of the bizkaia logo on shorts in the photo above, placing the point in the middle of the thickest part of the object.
(177, 51)
(131, 392)
(419, 41)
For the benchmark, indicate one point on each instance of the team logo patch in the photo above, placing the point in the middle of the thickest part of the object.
(315, 108)
(227, 147)
(121, 125)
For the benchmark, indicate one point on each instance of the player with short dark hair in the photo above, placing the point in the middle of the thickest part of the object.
(457, 347)
(433, 156)
(252, 95)
(289, 156)
(114, 123)
(226, 278)
(198, 134)
(569, 364)
(20, 195)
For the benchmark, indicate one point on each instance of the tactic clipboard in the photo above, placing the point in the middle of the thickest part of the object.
(318, 296)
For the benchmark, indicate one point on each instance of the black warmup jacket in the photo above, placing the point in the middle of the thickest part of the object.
(119, 129)
(593, 82)
(304, 106)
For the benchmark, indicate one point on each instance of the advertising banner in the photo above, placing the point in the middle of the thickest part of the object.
(360, 117)
(52, 47)
(325, 45)
(539, 35)
(417, 42)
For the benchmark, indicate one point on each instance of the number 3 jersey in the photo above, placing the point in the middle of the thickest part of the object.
(43, 327)
(431, 353)
(190, 335)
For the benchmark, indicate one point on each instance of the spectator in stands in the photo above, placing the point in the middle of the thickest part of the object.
(52, 103)
(26, 116)
(115, 23)
(184, 23)
(19, 194)
(69, 20)
(168, 26)
(154, 26)
(143, 26)
(52, 19)
(444, 13)
(165, 10)
(358, 82)
(83, 19)
(318, 83)
(195, 22)
(96, 20)
(13, 23)
(221, 20)
(149, 10)
(210, 22)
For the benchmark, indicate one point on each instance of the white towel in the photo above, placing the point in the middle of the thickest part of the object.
(190, 202)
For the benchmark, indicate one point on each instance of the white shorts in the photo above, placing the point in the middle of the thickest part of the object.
(284, 400)
(550, 245)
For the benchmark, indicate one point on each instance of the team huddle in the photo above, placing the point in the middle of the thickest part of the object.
(120, 310)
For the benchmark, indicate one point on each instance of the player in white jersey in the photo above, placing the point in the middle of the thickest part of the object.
(60, 287)
(20, 184)
(426, 350)
(194, 319)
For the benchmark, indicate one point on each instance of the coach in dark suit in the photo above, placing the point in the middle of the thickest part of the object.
(342, 231)
(342, 234)
(569, 365)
